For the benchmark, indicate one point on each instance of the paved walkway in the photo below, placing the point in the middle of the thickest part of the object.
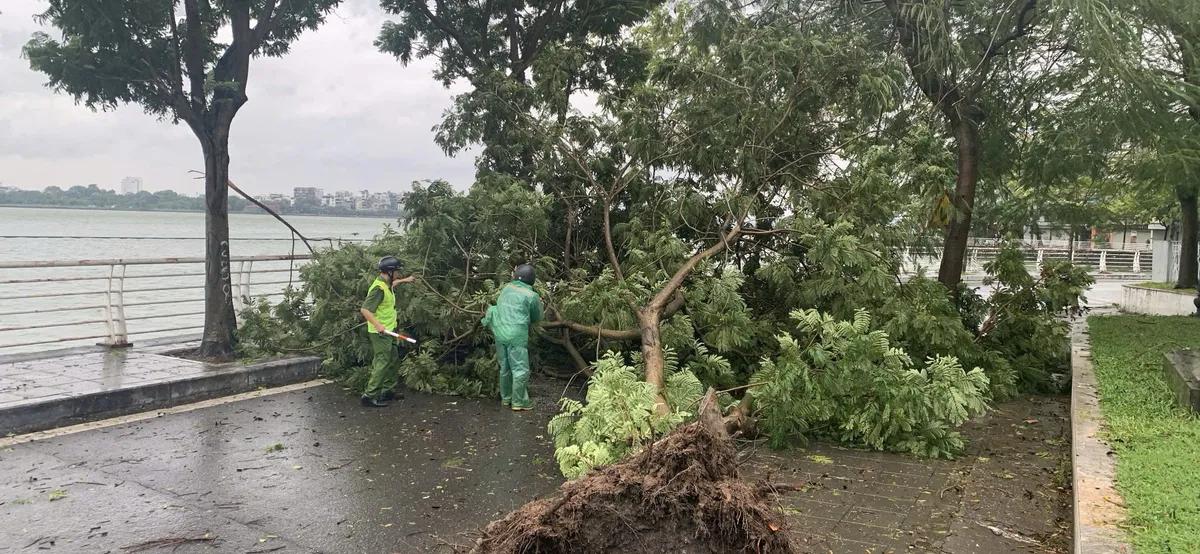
(309, 470)
(39, 393)
(1001, 496)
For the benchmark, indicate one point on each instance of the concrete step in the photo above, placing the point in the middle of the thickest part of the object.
(44, 393)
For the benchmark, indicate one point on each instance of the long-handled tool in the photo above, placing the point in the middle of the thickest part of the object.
(402, 337)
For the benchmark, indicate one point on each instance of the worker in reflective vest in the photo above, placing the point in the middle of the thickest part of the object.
(379, 309)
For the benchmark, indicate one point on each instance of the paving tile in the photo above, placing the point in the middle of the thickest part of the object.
(36, 393)
(164, 376)
(79, 387)
(822, 494)
(58, 395)
(118, 382)
(887, 465)
(866, 533)
(812, 526)
(874, 488)
(797, 505)
(880, 503)
(874, 517)
(6, 398)
(837, 545)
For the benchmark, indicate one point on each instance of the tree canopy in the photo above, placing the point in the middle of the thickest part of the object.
(733, 214)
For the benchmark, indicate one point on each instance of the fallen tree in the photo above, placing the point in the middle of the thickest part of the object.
(682, 490)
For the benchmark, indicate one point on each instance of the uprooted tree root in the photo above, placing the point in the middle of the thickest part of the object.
(681, 494)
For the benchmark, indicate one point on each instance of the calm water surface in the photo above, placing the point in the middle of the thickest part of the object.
(146, 235)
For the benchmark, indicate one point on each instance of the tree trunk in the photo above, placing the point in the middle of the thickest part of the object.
(954, 253)
(650, 324)
(1187, 241)
(608, 242)
(219, 318)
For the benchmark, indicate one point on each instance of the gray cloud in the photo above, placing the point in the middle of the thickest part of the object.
(335, 113)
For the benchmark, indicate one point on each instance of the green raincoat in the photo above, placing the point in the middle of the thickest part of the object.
(517, 308)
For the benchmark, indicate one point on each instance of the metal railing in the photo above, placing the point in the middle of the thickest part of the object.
(57, 302)
(1098, 260)
(1063, 244)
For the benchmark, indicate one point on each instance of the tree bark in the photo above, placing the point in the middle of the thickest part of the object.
(653, 359)
(1189, 227)
(220, 321)
(966, 135)
(668, 300)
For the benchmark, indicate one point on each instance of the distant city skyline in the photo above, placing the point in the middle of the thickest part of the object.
(335, 114)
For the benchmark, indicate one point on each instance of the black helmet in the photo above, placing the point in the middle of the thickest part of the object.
(389, 264)
(524, 273)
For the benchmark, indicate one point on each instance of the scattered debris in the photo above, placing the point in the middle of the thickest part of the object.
(1009, 534)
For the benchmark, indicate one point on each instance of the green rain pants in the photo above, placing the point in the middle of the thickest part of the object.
(514, 375)
(385, 365)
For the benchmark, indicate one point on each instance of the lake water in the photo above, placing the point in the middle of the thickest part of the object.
(178, 291)
(185, 229)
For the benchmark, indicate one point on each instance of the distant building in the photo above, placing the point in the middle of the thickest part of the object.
(383, 201)
(131, 185)
(310, 195)
(343, 199)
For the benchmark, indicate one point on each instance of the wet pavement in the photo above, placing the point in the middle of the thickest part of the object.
(308, 470)
(38, 393)
(1004, 495)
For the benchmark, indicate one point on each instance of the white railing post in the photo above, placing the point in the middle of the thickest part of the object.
(114, 307)
(109, 324)
(248, 267)
(1137, 261)
(1103, 261)
(122, 331)
(1040, 254)
(235, 282)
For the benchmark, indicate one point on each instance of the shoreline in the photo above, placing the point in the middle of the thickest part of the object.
(131, 210)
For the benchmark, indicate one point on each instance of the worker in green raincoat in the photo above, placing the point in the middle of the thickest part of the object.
(517, 308)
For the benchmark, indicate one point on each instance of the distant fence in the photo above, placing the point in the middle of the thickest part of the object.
(1036, 244)
(80, 302)
(1097, 260)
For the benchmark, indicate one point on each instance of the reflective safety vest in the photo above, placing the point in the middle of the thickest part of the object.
(386, 312)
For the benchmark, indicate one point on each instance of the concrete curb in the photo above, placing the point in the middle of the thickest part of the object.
(226, 380)
(1099, 508)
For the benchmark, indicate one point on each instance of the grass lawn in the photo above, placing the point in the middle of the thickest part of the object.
(1168, 286)
(1156, 442)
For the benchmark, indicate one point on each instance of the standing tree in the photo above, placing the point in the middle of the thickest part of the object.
(141, 52)
(959, 55)
(1152, 48)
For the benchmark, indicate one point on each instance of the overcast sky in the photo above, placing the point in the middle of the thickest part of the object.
(334, 114)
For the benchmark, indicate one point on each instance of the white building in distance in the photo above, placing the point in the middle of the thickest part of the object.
(131, 185)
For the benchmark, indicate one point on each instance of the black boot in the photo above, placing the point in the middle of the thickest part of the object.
(391, 395)
(371, 402)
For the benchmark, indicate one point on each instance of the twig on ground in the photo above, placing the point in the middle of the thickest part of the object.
(165, 542)
(340, 466)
